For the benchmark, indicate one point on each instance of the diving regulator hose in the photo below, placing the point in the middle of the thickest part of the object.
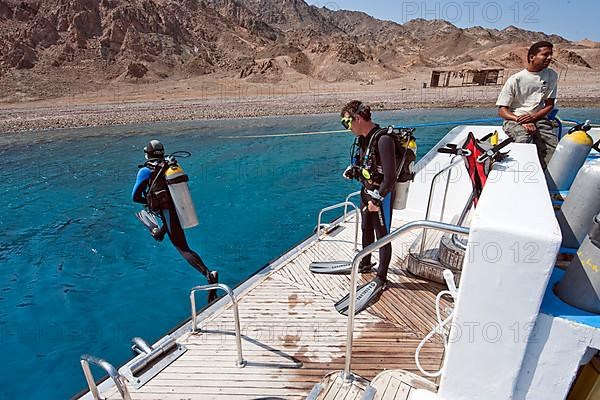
(441, 324)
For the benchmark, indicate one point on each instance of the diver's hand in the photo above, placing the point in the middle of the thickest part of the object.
(376, 198)
(350, 172)
(372, 207)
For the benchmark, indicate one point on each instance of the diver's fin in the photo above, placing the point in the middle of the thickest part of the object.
(365, 295)
(151, 223)
(338, 267)
(330, 267)
(148, 220)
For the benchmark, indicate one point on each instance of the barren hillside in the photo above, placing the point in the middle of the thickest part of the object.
(84, 45)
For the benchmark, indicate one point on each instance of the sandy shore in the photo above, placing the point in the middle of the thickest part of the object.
(185, 100)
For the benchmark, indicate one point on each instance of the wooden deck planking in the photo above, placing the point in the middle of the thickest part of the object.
(294, 336)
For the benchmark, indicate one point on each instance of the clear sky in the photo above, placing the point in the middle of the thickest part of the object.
(572, 19)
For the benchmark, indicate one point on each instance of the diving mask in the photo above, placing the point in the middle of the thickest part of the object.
(347, 122)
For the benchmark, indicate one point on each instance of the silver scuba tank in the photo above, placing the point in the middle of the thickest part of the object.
(580, 286)
(405, 173)
(401, 195)
(582, 204)
(177, 182)
(569, 156)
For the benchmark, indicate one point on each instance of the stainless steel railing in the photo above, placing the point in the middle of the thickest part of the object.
(140, 346)
(344, 204)
(117, 378)
(439, 226)
(461, 219)
(456, 160)
(351, 195)
(240, 363)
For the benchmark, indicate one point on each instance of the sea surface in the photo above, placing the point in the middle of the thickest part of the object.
(79, 274)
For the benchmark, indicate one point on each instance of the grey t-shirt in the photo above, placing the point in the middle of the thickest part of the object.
(526, 92)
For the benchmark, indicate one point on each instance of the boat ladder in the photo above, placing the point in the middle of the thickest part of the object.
(153, 359)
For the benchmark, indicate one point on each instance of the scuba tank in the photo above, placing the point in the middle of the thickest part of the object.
(569, 156)
(582, 203)
(580, 286)
(177, 183)
(406, 154)
(401, 195)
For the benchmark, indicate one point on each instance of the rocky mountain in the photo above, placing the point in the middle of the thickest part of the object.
(258, 40)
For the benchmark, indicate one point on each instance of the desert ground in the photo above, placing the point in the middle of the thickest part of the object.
(224, 95)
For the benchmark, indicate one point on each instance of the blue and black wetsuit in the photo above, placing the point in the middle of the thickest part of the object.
(151, 190)
(383, 180)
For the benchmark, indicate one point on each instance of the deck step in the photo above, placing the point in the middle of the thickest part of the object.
(399, 385)
(334, 387)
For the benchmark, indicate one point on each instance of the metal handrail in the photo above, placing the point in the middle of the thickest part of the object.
(440, 226)
(463, 215)
(333, 207)
(353, 194)
(117, 378)
(455, 161)
(240, 361)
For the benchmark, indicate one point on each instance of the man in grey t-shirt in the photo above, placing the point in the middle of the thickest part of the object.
(526, 100)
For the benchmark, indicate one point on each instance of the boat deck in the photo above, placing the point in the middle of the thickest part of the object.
(293, 336)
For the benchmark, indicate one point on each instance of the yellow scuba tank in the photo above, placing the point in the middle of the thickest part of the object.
(177, 182)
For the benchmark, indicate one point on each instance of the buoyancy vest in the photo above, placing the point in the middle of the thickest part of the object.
(158, 196)
(368, 160)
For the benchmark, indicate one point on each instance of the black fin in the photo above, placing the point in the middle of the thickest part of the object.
(365, 295)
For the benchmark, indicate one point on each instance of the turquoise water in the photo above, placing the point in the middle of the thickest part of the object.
(79, 274)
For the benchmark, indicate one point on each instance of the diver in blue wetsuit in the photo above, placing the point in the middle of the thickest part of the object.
(375, 167)
(151, 190)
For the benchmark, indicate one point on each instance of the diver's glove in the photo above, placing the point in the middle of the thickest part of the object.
(376, 198)
(351, 172)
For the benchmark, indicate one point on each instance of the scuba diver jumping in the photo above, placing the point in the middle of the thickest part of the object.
(161, 186)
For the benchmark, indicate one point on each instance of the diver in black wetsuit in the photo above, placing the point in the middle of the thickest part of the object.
(151, 190)
(375, 167)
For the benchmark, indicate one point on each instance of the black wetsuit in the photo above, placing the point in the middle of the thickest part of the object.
(378, 223)
(159, 201)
